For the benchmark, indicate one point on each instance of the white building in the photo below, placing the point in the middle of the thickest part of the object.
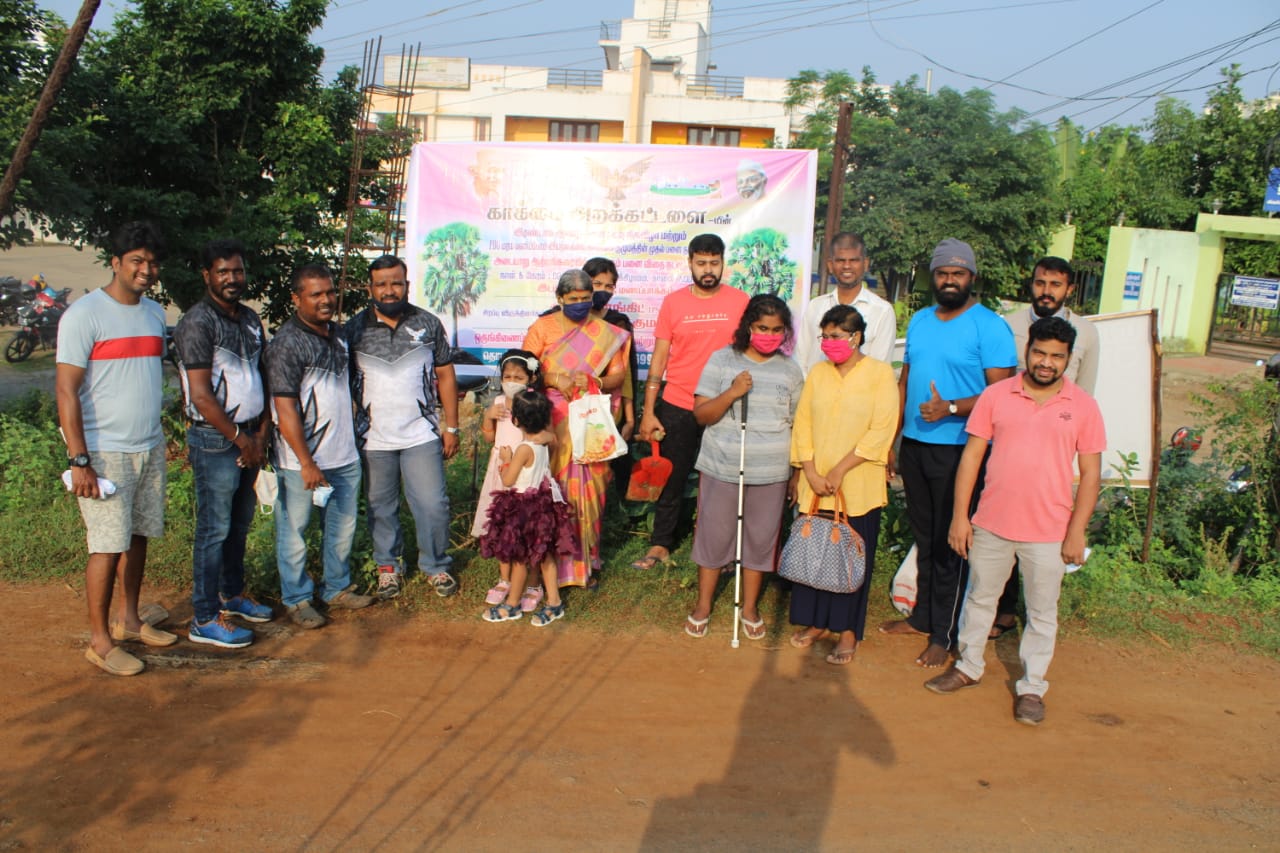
(657, 86)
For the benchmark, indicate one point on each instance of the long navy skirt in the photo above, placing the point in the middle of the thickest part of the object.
(839, 611)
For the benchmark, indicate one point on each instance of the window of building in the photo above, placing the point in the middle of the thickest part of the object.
(573, 131)
(724, 136)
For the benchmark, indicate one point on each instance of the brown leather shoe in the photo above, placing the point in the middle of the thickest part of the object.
(950, 681)
(1029, 709)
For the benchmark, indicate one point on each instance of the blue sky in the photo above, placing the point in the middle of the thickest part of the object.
(1095, 61)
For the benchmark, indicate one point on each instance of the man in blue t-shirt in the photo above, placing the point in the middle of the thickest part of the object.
(954, 350)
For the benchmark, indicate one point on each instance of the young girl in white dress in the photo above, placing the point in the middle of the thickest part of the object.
(519, 369)
(529, 521)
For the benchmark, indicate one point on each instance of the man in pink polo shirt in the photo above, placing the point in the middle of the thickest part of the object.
(1037, 422)
(693, 322)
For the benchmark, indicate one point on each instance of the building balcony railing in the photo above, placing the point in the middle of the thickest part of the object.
(709, 86)
(574, 78)
(610, 30)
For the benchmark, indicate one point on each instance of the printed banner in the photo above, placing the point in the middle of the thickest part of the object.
(490, 227)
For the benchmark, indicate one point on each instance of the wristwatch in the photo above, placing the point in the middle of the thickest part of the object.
(80, 460)
(952, 407)
(452, 430)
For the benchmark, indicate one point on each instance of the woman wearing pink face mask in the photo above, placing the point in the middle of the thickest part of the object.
(755, 366)
(843, 431)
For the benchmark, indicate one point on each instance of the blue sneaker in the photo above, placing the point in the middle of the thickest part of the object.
(219, 632)
(246, 608)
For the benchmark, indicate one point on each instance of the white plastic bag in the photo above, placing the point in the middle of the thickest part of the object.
(593, 435)
(903, 590)
(267, 487)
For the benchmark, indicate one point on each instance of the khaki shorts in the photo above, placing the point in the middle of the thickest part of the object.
(137, 507)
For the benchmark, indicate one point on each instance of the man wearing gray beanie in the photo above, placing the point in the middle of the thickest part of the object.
(954, 349)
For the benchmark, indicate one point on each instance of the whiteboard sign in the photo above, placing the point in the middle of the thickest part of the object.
(1126, 391)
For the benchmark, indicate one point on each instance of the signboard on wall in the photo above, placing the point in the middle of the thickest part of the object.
(1271, 202)
(1250, 292)
(1132, 285)
(490, 227)
(432, 72)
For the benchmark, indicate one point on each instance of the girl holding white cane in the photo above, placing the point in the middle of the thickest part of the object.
(754, 364)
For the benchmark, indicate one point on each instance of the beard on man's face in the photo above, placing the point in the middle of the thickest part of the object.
(952, 295)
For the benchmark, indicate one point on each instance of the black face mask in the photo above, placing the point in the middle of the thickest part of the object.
(600, 298)
(392, 309)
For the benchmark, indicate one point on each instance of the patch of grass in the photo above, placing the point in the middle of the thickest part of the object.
(1114, 594)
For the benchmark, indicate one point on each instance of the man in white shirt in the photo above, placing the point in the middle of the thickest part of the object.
(1051, 287)
(847, 261)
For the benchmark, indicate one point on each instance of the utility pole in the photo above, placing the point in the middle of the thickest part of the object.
(52, 87)
(835, 193)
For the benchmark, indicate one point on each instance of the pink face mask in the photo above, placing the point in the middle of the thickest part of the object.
(766, 344)
(838, 350)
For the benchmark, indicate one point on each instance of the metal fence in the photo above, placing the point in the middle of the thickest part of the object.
(708, 86)
(1241, 323)
(575, 78)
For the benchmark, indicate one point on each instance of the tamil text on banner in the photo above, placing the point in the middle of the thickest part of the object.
(490, 227)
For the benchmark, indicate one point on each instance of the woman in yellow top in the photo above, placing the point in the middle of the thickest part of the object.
(572, 346)
(843, 431)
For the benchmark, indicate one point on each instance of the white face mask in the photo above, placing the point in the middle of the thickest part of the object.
(512, 388)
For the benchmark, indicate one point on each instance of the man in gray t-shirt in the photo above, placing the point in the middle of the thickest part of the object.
(108, 384)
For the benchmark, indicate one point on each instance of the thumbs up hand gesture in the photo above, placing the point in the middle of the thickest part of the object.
(935, 408)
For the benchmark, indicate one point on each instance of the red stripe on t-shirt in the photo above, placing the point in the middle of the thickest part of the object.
(142, 346)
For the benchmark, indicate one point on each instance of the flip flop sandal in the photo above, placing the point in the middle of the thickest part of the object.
(649, 561)
(997, 631)
(841, 657)
(754, 630)
(801, 640)
(696, 628)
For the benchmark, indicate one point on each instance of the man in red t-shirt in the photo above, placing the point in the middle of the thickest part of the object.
(1038, 421)
(693, 322)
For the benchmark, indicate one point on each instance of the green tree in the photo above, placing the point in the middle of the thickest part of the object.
(760, 263)
(208, 117)
(456, 270)
(923, 167)
(26, 33)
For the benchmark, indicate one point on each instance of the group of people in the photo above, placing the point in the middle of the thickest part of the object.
(328, 407)
(816, 403)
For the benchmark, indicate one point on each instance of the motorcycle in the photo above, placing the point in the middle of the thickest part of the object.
(38, 324)
(13, 292)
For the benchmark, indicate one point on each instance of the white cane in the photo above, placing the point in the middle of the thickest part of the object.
(737, 553)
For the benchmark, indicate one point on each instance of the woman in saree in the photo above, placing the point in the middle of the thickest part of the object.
(574, 346)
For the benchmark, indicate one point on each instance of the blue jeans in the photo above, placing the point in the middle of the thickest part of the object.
(224, 512)
(293, 512)
(421, 470)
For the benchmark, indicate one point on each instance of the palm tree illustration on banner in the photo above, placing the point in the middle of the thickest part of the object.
(455, 270)
(760, 263)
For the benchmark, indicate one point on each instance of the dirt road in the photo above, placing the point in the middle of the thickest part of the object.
(394, 733)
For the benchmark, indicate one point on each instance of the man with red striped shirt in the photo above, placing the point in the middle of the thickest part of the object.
(109, 382)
